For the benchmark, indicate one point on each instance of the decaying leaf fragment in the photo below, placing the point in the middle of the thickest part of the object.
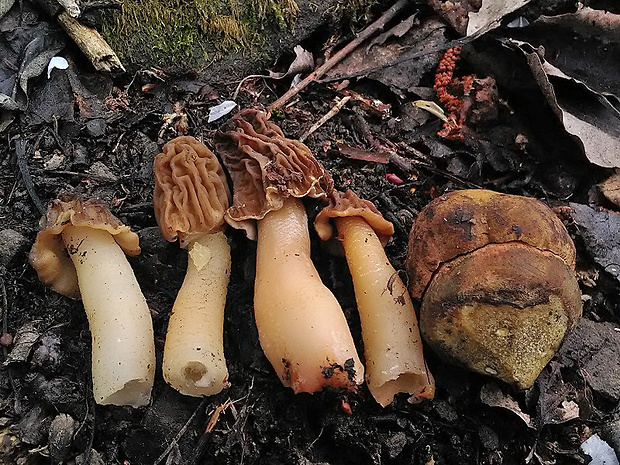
(469, 17)
(586, 115)
(600, 231)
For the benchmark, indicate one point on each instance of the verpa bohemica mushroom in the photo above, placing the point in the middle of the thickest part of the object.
(191, 196)
(495, 273)
(301, 327)
(392, 344)
(80, 251)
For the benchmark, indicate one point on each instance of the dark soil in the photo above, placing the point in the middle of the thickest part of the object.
(103, 145)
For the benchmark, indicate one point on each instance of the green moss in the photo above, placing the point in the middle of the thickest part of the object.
(189, 33)
(277, 114)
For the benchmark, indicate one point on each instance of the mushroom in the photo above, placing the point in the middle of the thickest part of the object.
(191, 196)
(392, 344)
(301, 326)
(495, 273)
(80, 251)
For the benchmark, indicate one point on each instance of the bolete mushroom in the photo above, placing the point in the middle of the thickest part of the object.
(80, 251)
(301, 326)
(191, 196)
(392, 344)
(495, 273)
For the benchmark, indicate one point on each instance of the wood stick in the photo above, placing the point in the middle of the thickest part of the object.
(326, 117)
(91, 43)
(378, 25)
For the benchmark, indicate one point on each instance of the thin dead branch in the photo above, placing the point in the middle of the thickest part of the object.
(407, 57)
(181, 432)
(22, 164)
(326, 117)
(378, 25)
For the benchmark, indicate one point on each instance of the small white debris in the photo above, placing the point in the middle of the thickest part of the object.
(221, 110)
(56, 62)
(601, 452)
(518, 22)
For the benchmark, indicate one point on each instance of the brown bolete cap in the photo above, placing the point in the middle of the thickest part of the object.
(191, 191)
(463, 221)
(342, 205)
(266, 168)
(49, 256)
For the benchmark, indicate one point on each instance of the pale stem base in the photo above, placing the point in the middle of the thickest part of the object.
(301, 327)
(392, 344)
(194, 362)
(123, 352)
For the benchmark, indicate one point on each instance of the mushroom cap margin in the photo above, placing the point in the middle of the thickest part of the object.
(266, 168)
(347, 204)
(49, 256)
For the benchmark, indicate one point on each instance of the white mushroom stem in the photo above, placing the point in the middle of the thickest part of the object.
(392, 344)
(123, 352)
(301, 327)
(194, 362)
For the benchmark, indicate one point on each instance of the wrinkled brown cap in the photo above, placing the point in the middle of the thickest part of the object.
(463, 221)
(342, 205)
(49, 256)
(191, 191)
(266, 168)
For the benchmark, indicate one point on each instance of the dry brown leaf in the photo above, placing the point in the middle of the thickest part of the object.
(585, 114)
(493, 396)
(610, 188)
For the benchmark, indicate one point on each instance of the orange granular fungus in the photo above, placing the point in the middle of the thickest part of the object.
(450, 92)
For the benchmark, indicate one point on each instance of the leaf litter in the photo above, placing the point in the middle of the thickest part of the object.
(96, 136)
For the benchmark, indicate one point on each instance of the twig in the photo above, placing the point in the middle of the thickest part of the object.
(247, 78)
(202, 442)
(180, 433)
(326, 117)
(96, 177)
(378, 25)
(22, 165)
(5, 310)
(5, 329)
(407, 57)
(408, 165)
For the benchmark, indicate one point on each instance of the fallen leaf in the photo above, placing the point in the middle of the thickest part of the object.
(454, 12)
(518, 22)
(600, 232)
(491, 14)
(376, 63)
(394, 179)
(586, 21)
(493, 396)
(397, 31)
(582, 44)
(355, 153)
(554, 406)
(585, 114)
(303, 63)
(600, 452)
(610, 188)
(25, 338)
(432, 108)
(221, 110)
(595, 349)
